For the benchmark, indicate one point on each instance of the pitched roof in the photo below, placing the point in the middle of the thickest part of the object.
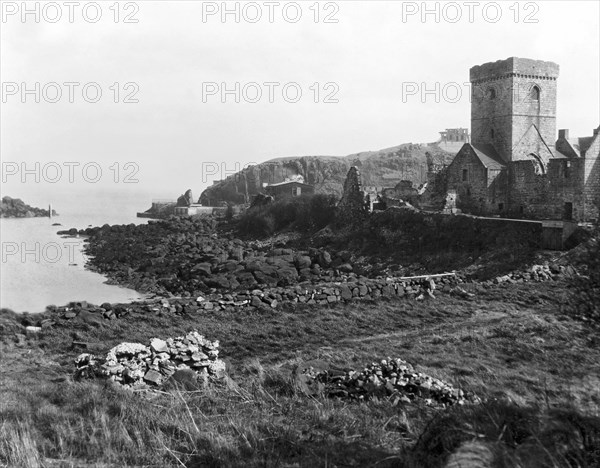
(558, 154)
(488, 156)
(585, 143)
(288, 182)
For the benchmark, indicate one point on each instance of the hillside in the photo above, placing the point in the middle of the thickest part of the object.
(383, 168)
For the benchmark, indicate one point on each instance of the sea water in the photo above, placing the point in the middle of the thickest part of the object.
(40, 267)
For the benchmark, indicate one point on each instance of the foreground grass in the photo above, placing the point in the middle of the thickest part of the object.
(538, 371)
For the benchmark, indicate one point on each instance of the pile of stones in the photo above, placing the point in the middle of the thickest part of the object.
(390, 378)
(136, 365)
(545, 272)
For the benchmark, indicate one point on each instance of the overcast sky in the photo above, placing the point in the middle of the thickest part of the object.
(176, 133)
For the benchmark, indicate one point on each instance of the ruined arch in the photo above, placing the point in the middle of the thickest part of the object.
(539, 166)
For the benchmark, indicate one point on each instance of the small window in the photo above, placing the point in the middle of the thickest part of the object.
(491, 93)
(500, 206)
(296, 191)
(521, 209)
(468, 191)
(535, 93)
(465, 174)
(492, 133)
(567, 169)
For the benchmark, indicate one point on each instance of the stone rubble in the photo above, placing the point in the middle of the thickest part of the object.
(390, 378)
(135, 365)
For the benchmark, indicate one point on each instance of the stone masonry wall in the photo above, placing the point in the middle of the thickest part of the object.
(351, 207)
(472, 193)
(591, 191)
(544, 195)
(483, 191)
(501, 102)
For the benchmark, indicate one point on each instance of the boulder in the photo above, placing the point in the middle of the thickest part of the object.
(324, 259)
(187, 199)
(302, 261)
(203, 268)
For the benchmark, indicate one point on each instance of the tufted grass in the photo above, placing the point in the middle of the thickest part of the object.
(538, 371)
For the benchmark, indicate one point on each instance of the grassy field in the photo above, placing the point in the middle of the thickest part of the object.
(537, 371)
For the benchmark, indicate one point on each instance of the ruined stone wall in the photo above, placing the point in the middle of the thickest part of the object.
(591, 181)
(351, 207)
(543, 196)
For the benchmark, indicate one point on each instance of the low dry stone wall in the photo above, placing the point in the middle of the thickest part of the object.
(351, 288)
(390, 378)
(135, 365)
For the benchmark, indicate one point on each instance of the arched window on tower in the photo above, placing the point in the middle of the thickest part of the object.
(491, 93)
(535, 93)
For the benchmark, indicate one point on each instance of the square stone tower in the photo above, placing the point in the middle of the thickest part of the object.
(508, 97)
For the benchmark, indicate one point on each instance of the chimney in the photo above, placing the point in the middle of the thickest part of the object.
(564, 133)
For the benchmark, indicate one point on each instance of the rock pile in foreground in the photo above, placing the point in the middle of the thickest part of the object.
(392, 378)
(137, 365)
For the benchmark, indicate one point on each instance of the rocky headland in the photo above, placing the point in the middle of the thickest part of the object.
(16, 208)
(384, 168)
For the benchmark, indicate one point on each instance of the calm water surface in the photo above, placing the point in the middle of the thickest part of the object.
(46, 268)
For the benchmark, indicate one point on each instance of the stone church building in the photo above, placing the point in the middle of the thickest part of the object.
(514, 165)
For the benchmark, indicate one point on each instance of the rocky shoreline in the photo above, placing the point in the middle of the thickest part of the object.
(16, 208)
(188, 259)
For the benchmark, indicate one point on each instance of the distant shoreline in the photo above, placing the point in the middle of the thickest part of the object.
(16, 208)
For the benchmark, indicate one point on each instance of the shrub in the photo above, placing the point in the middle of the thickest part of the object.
(307, 213)
(257, 222)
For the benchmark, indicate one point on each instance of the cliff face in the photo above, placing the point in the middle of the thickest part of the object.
(383, 168)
